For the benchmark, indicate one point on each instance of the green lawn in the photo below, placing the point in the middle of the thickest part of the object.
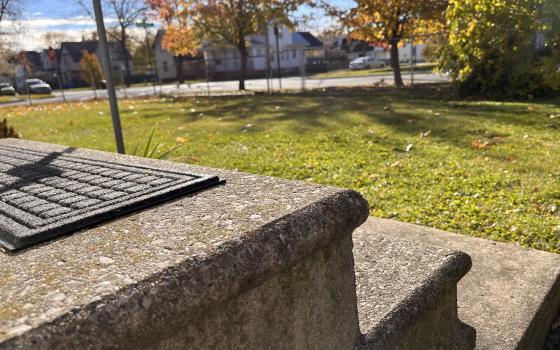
(345, 73)
(488, 169)
(6, 99)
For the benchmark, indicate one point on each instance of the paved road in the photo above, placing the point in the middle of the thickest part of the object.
(231, 86)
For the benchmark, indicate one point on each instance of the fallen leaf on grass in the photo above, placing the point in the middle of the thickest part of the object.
(396, 164)
(478, 144)
(180, 140)
(408, 147)
(425, 134)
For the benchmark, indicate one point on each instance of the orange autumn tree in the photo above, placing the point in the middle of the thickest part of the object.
(91, 69)
(229, 22)
(389, 21)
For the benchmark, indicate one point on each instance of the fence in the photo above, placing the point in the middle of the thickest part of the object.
(202, 74)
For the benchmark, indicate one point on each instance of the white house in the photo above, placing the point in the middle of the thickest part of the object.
(167, 65)
(295, 51)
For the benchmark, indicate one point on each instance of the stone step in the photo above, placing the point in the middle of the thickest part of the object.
(406, 291)
(510, 296)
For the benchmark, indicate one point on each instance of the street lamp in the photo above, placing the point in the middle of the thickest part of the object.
(144, 24)
(106, 61)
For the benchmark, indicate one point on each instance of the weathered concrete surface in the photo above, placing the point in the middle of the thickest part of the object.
(124, 283)
(510, 296)
(407, 294)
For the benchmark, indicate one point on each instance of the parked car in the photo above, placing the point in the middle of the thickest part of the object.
(366, 63)
(7, 89)
(36, 86)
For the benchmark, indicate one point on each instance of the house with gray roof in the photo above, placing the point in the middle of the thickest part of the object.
(71, 54)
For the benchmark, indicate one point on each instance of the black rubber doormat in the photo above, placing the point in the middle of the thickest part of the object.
(45, 195)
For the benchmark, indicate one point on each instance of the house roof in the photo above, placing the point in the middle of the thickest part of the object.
(158, 38)
(306, 39)
(34, 59)
(76, 48)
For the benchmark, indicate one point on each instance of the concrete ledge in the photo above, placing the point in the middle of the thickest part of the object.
(137, 281)
(511, 295)
(407, 294)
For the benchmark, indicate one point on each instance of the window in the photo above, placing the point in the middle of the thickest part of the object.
(294, 54)
(165, 66)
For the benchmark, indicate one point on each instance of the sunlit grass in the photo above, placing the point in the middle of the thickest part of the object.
(483, 168)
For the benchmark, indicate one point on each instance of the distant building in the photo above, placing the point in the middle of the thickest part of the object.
(48, 63)
(296, 50)
(71, 54)
(352, 49)
(29, 63)
(167, 65)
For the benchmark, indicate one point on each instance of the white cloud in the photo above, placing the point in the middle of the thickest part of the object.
(33, 30)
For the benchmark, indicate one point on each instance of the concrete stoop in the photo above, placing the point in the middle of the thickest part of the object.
(409, 280)
(407, 294)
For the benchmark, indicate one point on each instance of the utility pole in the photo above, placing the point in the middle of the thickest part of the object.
(144, 24)
(106, 61)
(51, 53)
(60, 84)
(302, 62)
(278, 58)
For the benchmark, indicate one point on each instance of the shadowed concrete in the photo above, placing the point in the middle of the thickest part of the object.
(406, 291)
(510, 296)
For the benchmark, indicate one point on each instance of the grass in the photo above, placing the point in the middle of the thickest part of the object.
(345, 73)
(482, 168)
(20, 97)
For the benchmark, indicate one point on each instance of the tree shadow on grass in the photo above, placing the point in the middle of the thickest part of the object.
(460, 121)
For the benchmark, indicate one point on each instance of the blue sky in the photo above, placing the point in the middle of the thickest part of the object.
(41, 16)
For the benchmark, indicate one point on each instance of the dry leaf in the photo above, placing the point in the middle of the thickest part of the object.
(425, 134)
(477, 144)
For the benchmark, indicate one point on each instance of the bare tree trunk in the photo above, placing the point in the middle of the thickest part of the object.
(395, 64)
(243, 68)
(179, 65)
